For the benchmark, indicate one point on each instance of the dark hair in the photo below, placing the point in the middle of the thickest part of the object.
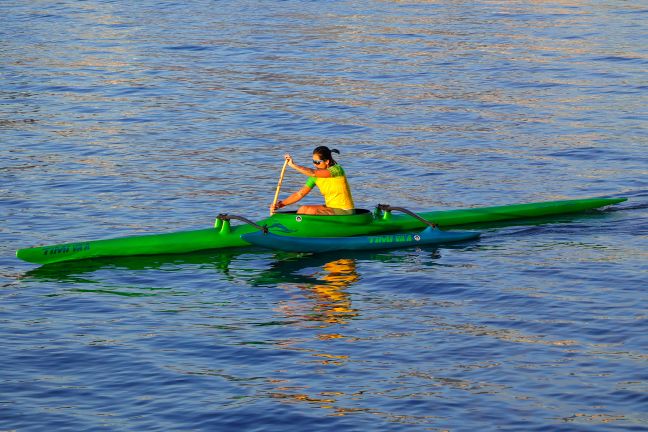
(325, 153)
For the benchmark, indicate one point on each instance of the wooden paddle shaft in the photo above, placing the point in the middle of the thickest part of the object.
(283, 171)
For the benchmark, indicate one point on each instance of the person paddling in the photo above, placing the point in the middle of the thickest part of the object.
(330, 178)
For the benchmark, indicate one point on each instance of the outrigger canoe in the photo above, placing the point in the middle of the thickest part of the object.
(362, 223)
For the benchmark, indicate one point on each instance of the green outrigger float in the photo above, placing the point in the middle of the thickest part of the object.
(362, 223)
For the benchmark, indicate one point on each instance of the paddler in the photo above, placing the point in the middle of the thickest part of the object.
(330, 178)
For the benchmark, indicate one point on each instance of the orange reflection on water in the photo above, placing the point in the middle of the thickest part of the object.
(331, 302)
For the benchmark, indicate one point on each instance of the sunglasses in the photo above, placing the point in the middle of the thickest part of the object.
(317, 162)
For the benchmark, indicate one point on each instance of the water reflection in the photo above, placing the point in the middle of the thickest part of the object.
(322, 280)
(331, 302)
(256, 267)
(81, 271)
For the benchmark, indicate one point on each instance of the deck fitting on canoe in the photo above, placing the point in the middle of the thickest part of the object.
(387, 208)
(225, 218)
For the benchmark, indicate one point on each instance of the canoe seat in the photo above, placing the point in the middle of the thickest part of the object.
(355, 212)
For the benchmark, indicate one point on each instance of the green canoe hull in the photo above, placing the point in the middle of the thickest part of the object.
(222, 235)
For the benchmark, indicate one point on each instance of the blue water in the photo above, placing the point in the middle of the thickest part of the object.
(118, 118)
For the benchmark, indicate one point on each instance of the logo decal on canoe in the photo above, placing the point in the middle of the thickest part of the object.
(298, 218)
(66, 248)
(417, 237)
(396, 238)
(281, 228)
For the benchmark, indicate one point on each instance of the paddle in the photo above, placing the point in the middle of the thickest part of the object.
(274, 202)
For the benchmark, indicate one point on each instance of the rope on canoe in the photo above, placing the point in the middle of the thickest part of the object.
(388, 208)
(226, 217)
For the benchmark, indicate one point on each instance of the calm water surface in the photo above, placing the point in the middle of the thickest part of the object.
(120, 118)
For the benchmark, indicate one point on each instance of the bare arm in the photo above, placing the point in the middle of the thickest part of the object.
(307, 171)
(301, 193)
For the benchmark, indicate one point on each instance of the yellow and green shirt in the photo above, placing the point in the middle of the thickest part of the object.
(335, 189)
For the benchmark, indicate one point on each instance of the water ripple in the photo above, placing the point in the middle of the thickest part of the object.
(157, 116)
